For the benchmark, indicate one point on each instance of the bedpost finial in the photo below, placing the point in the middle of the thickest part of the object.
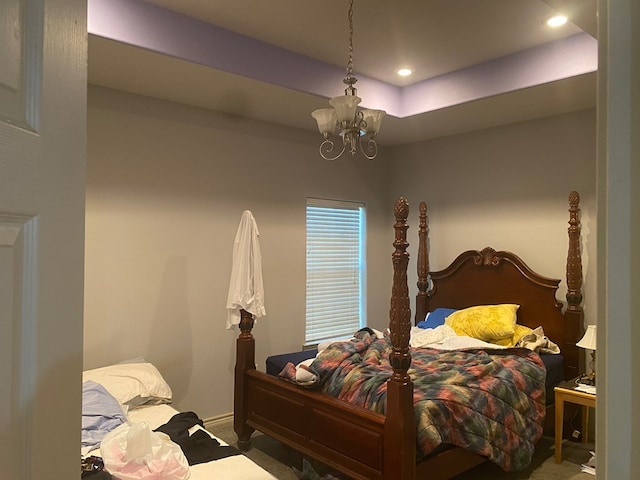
(401, 209)
(574, 198)
(246, 324)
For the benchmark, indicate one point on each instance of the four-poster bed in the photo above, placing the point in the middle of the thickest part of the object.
(368, 445)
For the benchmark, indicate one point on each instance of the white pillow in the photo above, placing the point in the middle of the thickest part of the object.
(132, 384)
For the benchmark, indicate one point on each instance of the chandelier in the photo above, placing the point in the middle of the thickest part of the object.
(356, 127)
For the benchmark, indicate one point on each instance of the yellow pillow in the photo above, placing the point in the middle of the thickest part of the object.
(485, 322)
(519, 332)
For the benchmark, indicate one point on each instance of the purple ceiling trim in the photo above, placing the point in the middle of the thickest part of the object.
(150, 27)
(572, 56)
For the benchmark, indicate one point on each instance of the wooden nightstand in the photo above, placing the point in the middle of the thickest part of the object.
(566, 392)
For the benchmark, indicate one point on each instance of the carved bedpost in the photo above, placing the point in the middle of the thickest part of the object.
(574, 258)
(574, 314)
(399, 427)
(422, 299)
(245, 361)
(400, 313)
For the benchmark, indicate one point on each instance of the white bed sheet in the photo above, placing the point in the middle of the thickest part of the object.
(237, 467)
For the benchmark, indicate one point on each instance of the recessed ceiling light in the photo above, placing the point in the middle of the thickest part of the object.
(557, 21)
(404, 72)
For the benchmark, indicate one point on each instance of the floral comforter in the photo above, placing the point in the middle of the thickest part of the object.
(491, 402)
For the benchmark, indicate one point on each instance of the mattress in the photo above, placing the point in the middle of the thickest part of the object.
(237, 467)
(276, 363)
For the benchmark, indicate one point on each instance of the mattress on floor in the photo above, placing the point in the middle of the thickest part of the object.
(236, 467)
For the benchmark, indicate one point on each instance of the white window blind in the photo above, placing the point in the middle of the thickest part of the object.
(335, 269)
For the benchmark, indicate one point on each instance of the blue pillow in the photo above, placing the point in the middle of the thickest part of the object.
(436, 318)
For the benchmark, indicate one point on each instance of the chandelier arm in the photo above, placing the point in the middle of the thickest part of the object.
(350, 138)
(359, 121)
(371, 147)
(326, 148)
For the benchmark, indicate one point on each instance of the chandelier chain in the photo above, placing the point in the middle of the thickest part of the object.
(350, 62)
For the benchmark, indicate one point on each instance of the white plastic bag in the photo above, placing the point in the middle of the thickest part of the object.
(134, 451)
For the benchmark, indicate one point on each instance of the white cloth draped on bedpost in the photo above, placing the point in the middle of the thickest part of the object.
(246, 290)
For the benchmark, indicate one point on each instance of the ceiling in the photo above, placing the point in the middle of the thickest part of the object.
(476, 64)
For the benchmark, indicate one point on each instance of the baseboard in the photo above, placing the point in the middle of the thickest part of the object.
(213, 421)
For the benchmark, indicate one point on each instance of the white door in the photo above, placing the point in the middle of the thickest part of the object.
(42, 174)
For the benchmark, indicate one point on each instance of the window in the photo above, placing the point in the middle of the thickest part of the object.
(335, 269)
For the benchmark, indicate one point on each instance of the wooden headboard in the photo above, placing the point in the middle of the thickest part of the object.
(489, 277)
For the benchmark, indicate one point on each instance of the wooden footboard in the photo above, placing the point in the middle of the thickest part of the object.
(347, 438)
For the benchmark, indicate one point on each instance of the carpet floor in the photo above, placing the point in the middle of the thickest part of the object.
(287, 464)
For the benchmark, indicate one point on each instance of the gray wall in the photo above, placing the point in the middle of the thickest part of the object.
(166, 187)
(167, 184)
(507, 188)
